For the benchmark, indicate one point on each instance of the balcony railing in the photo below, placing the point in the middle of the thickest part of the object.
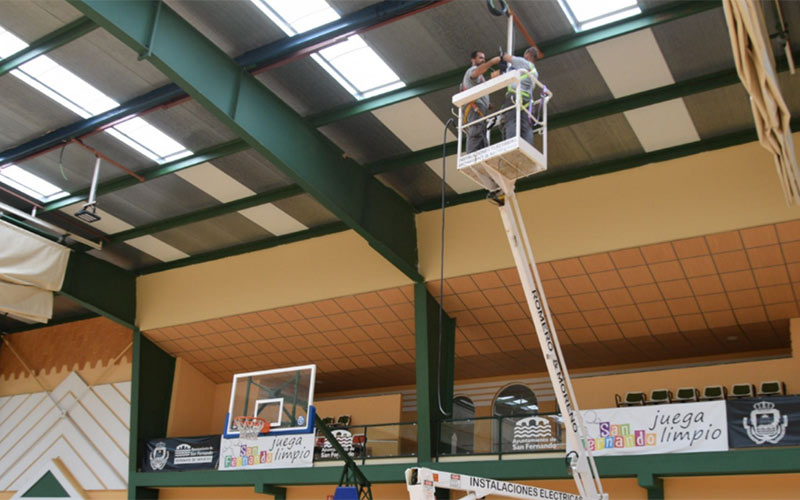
(364, 442)
(540, 433)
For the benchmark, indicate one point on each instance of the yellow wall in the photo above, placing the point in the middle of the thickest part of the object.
(190, 413)
(700, 194)
(364, 410)
(301, 272)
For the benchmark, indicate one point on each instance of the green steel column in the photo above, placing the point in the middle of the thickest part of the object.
(654, 485)
(435, 364)
(152, 372)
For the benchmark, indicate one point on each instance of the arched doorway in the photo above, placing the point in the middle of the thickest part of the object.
(511, 404)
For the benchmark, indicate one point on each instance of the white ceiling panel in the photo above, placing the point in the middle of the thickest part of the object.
(632, 63)
(455, 179)
(157, 248)
(414, 123)
(273, 219)
(662, 125)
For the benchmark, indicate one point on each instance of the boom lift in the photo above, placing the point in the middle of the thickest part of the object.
(497, 168)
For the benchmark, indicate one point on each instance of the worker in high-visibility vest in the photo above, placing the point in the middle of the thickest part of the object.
(525, 90)
(476, 134)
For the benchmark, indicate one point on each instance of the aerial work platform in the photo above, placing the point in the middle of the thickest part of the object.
(514, 157)
(497, 167)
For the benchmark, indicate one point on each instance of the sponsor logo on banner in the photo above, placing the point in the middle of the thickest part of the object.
(676, 428)
(159, 456)
(764, 422)
(181, 453)
(534, 433)
(267, 452)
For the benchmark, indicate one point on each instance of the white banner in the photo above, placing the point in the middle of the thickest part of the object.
(673, 428)
(274, 451)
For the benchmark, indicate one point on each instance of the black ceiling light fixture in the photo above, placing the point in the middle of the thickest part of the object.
(88, 213)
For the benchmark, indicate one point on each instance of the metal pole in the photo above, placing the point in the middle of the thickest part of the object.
(96, 173)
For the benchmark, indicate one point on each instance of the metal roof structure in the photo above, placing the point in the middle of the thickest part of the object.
(293, 155)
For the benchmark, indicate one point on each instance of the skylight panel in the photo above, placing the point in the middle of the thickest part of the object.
(352, 63)
(75, 94)
(30, 184)
(587, 14)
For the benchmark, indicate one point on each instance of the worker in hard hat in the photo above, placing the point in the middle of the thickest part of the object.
(477, 109)
(525, 91)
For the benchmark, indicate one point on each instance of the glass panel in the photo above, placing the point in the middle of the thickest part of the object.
(492, 435)
(370, 441)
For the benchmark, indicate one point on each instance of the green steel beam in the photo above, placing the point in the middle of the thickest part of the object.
(265, 122)
(606, 167)
(334, 227)
(151, 173)
(101, 287)
(753, 461)
(207, 213)
(45, 44)
(451, 79)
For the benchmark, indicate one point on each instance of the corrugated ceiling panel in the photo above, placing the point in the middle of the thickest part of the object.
(191, 125)
(33, 20)
(607, 138)
(155, 200)
(305, 86)
(26, 114)
(109, 65)
(415, 183)
(695, 45)
(78, 166)
(212, 234)
(252, 170)
(125, 256)
(235, 27)
(307, 210)
(720, 111)
(364, 138)
(574, 80)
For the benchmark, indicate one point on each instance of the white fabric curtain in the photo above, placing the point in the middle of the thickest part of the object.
(31, 269)
(755, 63)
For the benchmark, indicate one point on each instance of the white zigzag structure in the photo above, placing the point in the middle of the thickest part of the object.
(86, 428)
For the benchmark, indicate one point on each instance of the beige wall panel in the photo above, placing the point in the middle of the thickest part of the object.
(319, 268)
(701, 194)
(189, 411)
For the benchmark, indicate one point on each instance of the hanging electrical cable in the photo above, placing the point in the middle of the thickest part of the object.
(441, 272)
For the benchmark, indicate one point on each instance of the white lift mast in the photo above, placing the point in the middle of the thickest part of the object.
(497, 167)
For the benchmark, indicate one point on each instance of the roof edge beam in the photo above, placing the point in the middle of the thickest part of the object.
(48, 42)
(241, 102)
(653, 17)
(253, 246)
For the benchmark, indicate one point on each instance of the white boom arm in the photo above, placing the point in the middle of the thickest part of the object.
(422, 482)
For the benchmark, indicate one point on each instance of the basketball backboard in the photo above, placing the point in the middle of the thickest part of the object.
(283, 397)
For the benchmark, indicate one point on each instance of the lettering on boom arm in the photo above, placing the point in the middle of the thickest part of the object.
(482, 483)
(551, 354)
